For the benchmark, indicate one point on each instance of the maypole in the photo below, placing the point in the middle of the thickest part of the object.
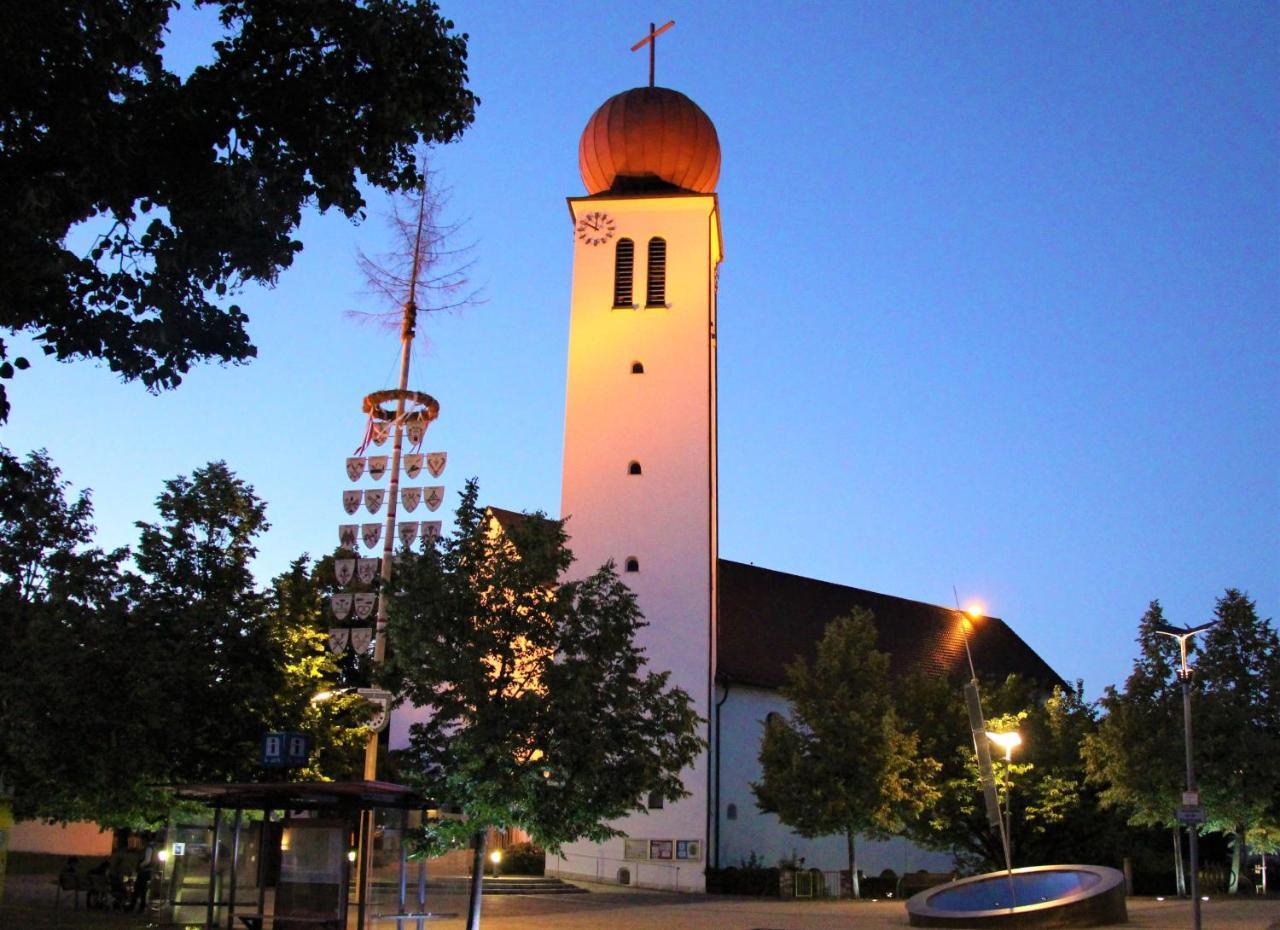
(390, 414)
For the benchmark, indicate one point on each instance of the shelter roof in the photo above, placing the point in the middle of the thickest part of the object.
(304, 795)
(768, 618)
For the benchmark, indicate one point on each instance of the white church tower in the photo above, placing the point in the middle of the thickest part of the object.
(640, 427)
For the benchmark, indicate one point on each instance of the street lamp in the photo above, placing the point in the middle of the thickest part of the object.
(978, 726)
(1007, 741)
(1190, 810)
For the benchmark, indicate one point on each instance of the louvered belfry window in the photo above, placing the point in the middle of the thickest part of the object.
(624, 272)
(656, 295)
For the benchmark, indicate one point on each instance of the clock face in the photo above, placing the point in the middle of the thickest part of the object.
(595, 228)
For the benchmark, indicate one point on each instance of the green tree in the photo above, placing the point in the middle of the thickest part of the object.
(314, 696)
(1237, 725)
(544, 716)
(196, 185)
(842, 762)
(116, 684)
(67, 723)
(1054, 817)
(1138, 757)
(1135, 755)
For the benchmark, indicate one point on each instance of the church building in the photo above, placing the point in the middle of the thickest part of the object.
(639, 488)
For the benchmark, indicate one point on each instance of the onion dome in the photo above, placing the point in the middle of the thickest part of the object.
(647, 139)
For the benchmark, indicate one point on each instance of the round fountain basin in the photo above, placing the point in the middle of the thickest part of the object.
(1040, 896)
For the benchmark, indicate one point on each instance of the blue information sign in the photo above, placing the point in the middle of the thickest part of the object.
(285, 750)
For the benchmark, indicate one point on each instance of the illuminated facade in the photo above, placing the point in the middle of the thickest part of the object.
(640, 426)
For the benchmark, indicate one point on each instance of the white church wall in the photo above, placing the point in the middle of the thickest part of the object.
(664, 419)
(742, 717)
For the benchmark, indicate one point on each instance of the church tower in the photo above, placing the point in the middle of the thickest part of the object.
(639, 483)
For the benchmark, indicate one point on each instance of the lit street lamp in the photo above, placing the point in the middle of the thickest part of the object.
(1007, 741)
(1191, 812)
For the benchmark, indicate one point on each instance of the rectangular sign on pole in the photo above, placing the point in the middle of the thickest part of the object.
(1190, 815)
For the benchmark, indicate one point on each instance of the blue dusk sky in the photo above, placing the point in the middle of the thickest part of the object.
(998, 308)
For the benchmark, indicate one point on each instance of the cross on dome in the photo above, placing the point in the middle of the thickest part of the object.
(652, 40)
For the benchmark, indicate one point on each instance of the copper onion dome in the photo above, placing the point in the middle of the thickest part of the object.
(649, 138)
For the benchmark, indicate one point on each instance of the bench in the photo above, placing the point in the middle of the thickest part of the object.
(73, 882)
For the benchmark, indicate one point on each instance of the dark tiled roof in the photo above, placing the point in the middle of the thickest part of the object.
(507, 518)
(769, 618)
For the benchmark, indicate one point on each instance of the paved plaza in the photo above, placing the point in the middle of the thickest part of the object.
(610, 909)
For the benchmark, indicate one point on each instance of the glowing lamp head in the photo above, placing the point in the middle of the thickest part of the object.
(496, 856)
(1006, 741)
(974, 611)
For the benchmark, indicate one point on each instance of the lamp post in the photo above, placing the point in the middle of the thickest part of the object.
(977, 724)
(1007, 741)
(1191, 810)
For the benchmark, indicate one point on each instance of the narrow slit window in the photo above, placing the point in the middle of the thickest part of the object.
(634, 469)
(633, 564)
(655, 801)
(637, 368)
(732, 812)
(624, 268)
(656, 294)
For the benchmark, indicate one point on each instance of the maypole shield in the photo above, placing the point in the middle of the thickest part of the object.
(355, 467)
(371, 533)
(409, 497)
(408, 533)
(377, 466)
(436, 462)
(344, 570)
(367, 570)
(373, 499)
(434, 497)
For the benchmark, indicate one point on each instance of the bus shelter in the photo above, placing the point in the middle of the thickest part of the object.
(292, 856)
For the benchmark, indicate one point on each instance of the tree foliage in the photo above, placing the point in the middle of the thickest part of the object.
(1054, 816)
(118, 682)
(843, 762)
(193, 186)
(1137, 754)
(543, 715)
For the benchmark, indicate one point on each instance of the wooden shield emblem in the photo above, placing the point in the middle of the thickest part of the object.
(367, 570)
(338, 639)
(409, 498)
(413, 464)
(370, 533)
(377, 466)
(351, 501)
(347, 535)
(361, 637)
(434, 497)
(373, 499)
(379, 432)
(341, 604)
(435, 462)
(355, 467)
(415, 430)
(431, 530)
(364, 603)
(344, 570)
(408, 532)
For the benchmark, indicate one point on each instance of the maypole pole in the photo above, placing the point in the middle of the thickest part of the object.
(425, 410)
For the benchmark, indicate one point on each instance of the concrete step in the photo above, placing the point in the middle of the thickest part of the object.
(509, 885)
